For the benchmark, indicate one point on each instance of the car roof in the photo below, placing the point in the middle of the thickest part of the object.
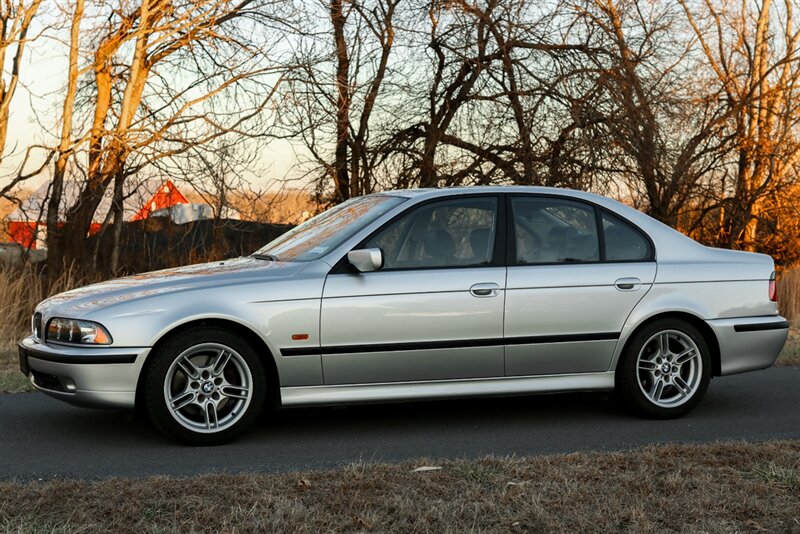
(486, 189)
(445, 191)
(425, 193)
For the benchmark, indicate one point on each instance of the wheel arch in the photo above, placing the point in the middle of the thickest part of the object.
(257, 342)
(705, 330)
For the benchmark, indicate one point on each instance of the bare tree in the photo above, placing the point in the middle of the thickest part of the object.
(16, 18)
(15, 22)
(193, 74)
(341, 177)
(494, 108)
(756, 69)
(662, 126)
(66, 144)
(357, 48)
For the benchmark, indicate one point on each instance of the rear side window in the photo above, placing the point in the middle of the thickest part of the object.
(553, 230)
(624, 242)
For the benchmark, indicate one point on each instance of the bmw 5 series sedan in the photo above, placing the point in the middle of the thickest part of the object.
(417, 294)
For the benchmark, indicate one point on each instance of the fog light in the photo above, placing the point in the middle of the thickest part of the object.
(68, 384)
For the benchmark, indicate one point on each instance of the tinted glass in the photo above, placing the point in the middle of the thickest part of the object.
(318, 236)
(623, 242)
(450, 233)
(550, 230)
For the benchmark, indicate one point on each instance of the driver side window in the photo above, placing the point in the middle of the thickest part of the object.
(451, 233)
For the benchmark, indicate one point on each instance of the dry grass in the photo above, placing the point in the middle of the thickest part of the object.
(789, 305)
(789, 294)
(711, 488)
(22, 288)
(791, 351)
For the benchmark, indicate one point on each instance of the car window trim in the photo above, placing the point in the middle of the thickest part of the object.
(500, 243)
(511, 245)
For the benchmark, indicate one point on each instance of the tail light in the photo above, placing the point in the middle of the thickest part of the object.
(773, 288)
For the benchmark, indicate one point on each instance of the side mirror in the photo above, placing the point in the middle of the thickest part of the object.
(366, 260)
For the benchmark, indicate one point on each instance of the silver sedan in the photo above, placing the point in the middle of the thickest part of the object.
(416, 294)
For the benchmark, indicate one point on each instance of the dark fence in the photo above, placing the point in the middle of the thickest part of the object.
(159, 244)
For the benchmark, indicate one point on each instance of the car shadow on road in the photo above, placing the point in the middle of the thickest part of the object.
(46, 439)
(572, 412)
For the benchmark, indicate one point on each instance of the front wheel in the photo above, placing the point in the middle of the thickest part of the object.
(665, 370)
(204, 387)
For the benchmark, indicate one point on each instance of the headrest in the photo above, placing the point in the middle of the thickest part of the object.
(438, 243)
(479, 241)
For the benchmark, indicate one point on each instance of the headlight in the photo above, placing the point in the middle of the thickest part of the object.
(77, 332)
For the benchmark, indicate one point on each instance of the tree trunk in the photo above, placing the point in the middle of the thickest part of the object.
(341, 178)
(79, 218)
(55, 253)
(427, 168)
(119, 216)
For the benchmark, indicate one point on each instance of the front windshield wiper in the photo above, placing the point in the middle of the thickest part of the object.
(268, 257)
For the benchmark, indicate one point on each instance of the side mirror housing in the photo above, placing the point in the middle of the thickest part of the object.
(366, 260)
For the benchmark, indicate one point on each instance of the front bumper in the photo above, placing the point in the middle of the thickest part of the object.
(749, 343)
(86, 376)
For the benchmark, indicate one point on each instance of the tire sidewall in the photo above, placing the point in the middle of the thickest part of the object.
(627, 384)
(157, 369)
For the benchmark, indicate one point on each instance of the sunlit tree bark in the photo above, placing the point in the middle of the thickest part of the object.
(54, 236)
(16, 17)
(140, 106)
(752, 49)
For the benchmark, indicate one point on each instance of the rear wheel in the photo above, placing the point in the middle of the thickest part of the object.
(665, 370)
(204, 387)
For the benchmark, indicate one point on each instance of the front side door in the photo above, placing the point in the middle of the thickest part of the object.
(575, 272)
(435, 309)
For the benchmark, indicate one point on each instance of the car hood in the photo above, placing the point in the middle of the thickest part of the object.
(78, 302)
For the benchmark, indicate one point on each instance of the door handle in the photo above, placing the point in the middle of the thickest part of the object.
(485, 289)
(628, 284)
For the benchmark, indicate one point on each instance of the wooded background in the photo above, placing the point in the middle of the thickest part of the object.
(685, 109)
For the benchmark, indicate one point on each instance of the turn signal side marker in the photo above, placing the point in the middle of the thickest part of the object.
(299, 337)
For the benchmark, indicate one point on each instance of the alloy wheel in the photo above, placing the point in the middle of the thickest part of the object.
(669, 368)
(208, 388)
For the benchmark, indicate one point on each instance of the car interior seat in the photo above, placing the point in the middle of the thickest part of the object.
(557, 239)
(439, 246)
(479, 241)
(582, 248)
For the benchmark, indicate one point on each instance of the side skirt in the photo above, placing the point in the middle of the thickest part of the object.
(398, 391)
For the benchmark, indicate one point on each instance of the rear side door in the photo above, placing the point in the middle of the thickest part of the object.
(435, 309)
(575, 272)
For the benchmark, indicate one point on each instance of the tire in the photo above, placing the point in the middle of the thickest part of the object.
(204, 386)
(663, 384)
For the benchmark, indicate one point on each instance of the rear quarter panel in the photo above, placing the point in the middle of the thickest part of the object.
(717, 286)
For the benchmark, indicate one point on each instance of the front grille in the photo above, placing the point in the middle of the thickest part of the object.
(37, 326)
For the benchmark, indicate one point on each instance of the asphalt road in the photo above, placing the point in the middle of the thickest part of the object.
(41, 438)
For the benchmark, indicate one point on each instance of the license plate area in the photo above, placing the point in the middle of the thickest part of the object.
(23, 362)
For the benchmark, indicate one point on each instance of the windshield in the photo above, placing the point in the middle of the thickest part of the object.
(318, 236)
